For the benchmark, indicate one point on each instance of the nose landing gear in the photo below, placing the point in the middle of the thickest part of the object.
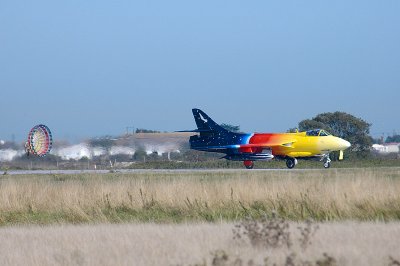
(327, 161)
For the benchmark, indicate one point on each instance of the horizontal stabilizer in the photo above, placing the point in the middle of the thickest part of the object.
(196, 130)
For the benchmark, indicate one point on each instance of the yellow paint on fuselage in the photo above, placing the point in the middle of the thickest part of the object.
(301, 145)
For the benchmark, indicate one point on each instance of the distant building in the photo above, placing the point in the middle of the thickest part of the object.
(393, 147)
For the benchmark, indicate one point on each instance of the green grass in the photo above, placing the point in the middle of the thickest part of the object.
(232, 212)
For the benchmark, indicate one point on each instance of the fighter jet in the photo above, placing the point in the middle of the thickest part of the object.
(312, 144)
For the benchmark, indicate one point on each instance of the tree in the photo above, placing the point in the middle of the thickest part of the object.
(308, 124)
(343, 125)
(142, 130)
(377, 140)
(394, 138)
(105, 142)
(140, 155)
(230, 127)
(292, 130)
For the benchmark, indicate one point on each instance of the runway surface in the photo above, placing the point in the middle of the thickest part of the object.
(75, 172)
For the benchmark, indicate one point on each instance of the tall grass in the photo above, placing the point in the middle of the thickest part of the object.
(322, 195)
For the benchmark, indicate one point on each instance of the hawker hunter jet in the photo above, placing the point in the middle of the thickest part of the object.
(312, 144)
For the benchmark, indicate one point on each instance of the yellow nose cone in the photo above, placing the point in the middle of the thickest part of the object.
(344, 144)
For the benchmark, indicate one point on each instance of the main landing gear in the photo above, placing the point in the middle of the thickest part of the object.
(248, 164)
(291, 162)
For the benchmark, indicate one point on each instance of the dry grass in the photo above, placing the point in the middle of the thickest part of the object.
(337, 194)
(348, 243)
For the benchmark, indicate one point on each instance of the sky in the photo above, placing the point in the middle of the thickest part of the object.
(92, 68)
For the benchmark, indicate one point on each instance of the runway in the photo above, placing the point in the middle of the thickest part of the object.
(76, 172)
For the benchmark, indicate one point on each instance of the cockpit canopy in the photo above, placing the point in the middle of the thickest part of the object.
(317, 132)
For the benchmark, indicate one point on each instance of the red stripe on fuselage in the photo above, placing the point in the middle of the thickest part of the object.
(262, 139)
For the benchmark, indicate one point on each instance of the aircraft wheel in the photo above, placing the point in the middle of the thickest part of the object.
(248, 164)
(327, 162)
(291, 162)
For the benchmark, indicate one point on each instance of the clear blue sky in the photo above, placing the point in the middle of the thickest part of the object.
(91, 68)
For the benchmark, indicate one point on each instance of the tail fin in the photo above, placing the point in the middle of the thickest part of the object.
(205, 123)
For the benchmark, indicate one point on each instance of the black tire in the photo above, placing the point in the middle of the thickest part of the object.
(290, 162)
(250, 166)
(327, 165)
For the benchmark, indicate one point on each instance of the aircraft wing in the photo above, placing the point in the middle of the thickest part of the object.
(239, 146)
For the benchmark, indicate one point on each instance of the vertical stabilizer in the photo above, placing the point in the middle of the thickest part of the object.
(205, 123)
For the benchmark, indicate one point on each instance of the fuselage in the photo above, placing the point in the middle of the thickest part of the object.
(301, 144)
(297, 144)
